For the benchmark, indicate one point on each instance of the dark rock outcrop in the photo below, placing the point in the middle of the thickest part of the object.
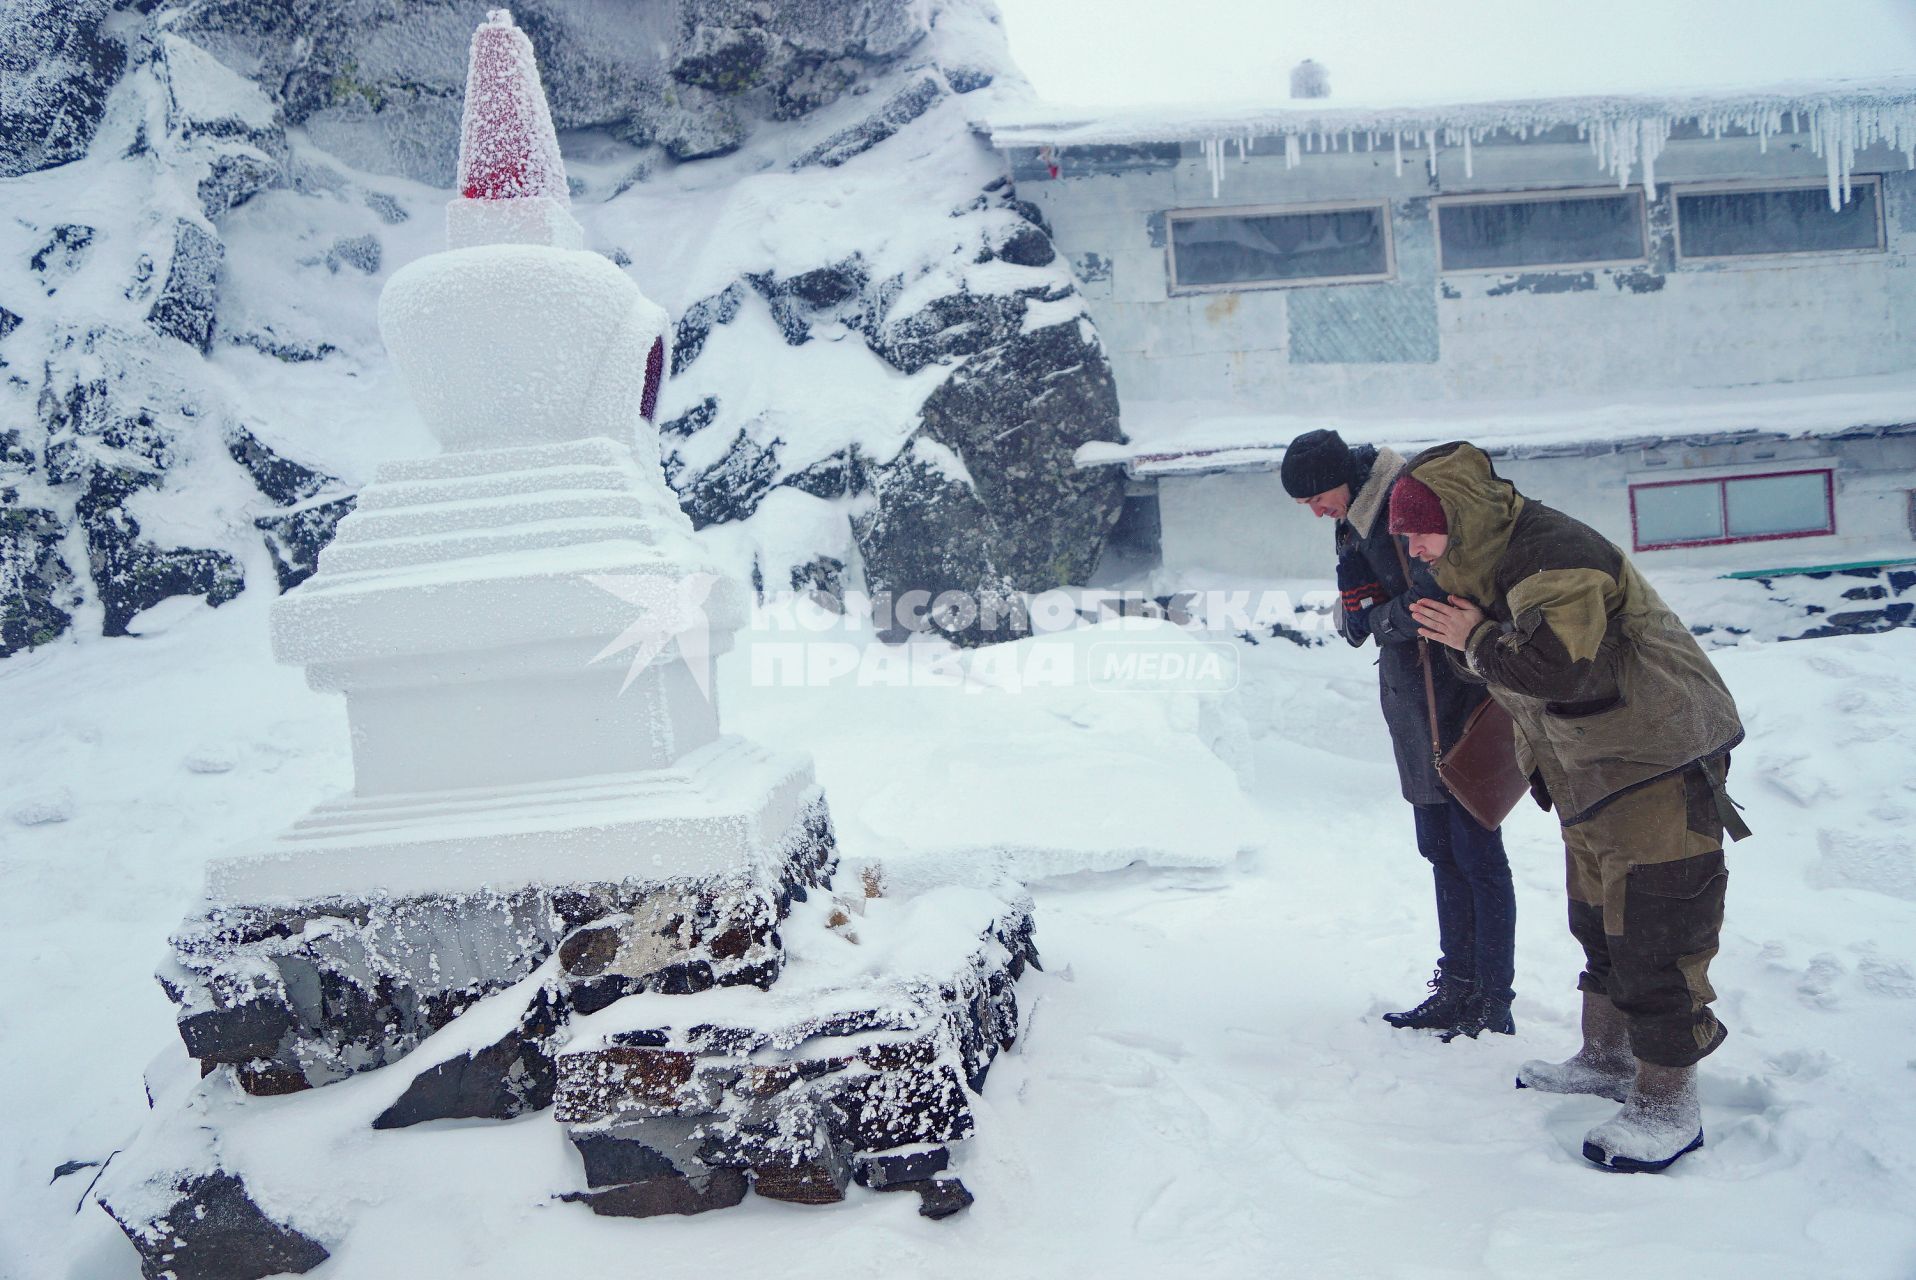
(131, 574)
(1016, 416)
(665, 1193)
(899, 110)
(59, 64)
(233, 179)
(937, 1197)
(696, 325)
(361, 253)
(189, 300)
(508, 1078)
(284, 481)
(951, 327)
(929, 532)
(838, 294)
(62, 255)
(886, 1170)
(732, 487)
(36, 586)
(295, 538)
(212, 1230)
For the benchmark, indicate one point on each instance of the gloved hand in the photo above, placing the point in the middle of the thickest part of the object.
(1358, 586)
(1360, 592)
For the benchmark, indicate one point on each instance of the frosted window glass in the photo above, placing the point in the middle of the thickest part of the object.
(1778, 504)
(1678, 513)
(1281, 246)
(1529, 233)
(1797, 220)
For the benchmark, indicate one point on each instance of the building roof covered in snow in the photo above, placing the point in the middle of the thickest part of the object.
(1196, 438)
(1627, 131)
(1035, 123)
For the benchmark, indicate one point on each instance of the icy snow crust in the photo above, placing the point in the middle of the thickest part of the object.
(1626, 132)
(1202, 1083)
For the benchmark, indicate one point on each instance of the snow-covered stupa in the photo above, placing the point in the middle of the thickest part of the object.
(524, 630)
(552, 866)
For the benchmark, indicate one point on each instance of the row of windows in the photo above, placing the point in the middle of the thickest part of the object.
(1238, 248)
(1700, 513)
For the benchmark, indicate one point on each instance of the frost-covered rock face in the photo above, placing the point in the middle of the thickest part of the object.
(207, 1227)
(381, 85)
(880, 366)
(114, 418)
(57, 65)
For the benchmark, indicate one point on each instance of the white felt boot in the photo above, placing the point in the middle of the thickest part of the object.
(1604, 1066)
(1660, 1121)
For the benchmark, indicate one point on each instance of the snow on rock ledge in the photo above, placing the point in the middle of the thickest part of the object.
(861, 1070)
(307, 992)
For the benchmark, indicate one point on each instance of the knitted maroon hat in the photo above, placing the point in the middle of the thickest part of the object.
(1415, 508)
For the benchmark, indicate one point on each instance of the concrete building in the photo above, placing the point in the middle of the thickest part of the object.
(1690, 322)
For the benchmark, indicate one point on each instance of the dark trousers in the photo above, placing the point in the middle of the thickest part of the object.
(1476, 903)
(1646, 880)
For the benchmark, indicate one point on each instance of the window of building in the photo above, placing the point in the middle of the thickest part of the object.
(1690, 513)
(1273, 247)
(1734, 222)
(1550, 229)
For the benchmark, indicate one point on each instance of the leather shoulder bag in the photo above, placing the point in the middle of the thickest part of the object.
(1480, 769)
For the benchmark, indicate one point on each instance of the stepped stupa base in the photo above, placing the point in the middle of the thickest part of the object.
(675, 880)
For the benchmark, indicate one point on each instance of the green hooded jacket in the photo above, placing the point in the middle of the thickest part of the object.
(1608, 688)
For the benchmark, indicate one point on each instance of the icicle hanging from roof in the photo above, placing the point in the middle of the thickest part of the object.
(1626, 135)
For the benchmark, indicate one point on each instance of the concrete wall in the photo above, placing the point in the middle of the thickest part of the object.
(1242, 526)
(1494, 336)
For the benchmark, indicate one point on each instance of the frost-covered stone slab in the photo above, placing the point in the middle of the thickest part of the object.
(190, 1215)
(858, 1068)
(725, 809)
(296, 992)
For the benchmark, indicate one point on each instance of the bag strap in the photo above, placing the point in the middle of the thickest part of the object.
(1423, 660)
(1726, 808)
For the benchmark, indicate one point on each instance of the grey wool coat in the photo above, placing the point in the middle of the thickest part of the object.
(1364, 548)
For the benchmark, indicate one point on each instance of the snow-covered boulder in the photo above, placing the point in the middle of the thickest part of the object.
(859, 1068)
(57, 65)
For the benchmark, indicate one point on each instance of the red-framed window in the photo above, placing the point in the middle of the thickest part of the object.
(1761, 507)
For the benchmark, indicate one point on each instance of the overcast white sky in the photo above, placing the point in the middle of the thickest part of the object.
(1121, 52)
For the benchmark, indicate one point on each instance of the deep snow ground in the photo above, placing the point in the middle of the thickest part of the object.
(1203, 1087)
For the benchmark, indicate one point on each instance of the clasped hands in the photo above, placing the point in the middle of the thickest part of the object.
(1449, 624)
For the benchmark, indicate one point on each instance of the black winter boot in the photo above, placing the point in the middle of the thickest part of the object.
(1480, 1014)
(1445, 1004)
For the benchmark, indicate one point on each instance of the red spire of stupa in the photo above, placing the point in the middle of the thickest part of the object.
(507, 148)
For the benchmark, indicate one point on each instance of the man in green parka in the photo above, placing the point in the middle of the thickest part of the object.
(1624, 726)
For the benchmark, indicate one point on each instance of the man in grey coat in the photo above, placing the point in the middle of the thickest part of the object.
(1470, 991)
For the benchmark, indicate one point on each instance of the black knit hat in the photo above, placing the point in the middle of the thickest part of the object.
(1315, 462)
